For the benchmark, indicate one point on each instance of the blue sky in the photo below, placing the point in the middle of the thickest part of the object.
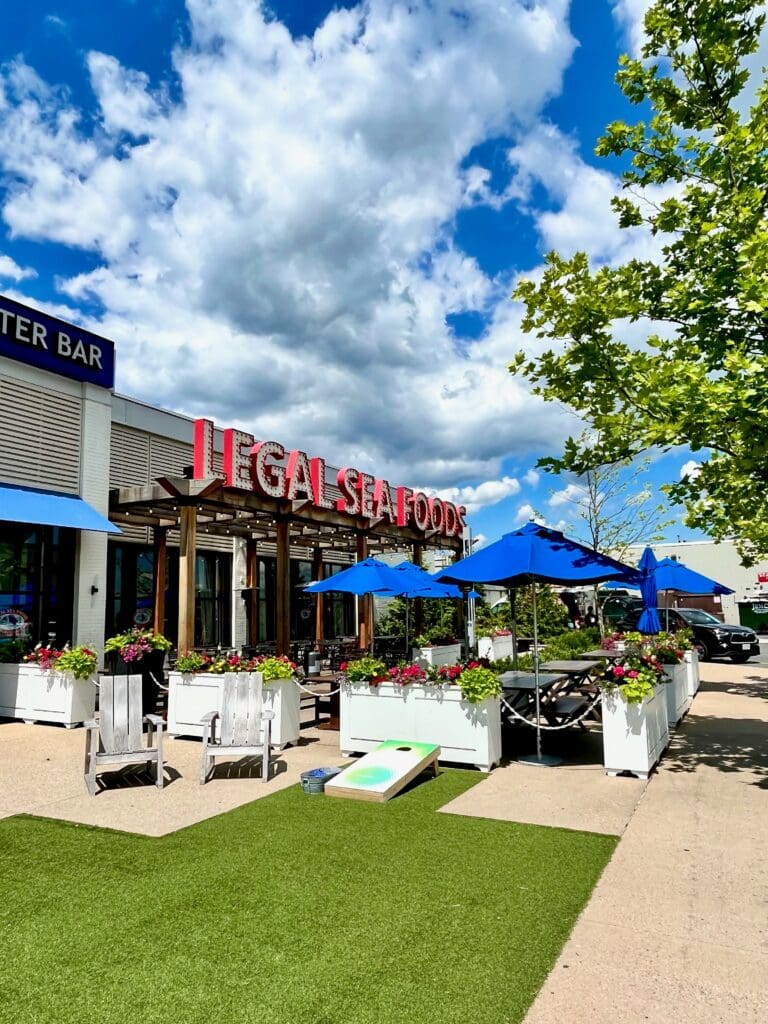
(306, 219)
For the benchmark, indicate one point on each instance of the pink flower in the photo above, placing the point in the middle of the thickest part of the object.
(618, 670)
(632, 674)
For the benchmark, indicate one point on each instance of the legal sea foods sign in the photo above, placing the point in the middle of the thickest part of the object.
(33, 337)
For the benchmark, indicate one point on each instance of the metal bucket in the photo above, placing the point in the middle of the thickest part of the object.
(313, 782)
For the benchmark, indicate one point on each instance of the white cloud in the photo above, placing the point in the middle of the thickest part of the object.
(531, 478)
(490, 492)
(630, 15)
(691, 469)
(274, 247)
(10, 269)
(572, 493)
(525, 513)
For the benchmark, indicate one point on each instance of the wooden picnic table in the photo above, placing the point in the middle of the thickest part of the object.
(600, 653)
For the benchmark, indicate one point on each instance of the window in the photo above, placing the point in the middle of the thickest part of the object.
(37, 571)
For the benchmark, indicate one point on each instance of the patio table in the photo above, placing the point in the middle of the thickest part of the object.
(600, 653)
(519, 688)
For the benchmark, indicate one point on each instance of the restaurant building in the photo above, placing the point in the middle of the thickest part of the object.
(116, 513)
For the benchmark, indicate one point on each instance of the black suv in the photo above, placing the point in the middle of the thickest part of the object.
(711, 637)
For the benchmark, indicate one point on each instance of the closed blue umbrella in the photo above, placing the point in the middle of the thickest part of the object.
(530, 555)
(649, 618)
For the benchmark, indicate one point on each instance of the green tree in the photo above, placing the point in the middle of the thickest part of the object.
(698, 181)
(551, 613)
(614, 507)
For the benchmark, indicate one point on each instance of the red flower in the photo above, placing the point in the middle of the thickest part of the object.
(343, 667)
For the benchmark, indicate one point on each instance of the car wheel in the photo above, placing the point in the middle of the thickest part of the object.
(739, 659)
(702, 650)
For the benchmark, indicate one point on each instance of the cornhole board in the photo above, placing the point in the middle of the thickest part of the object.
(383, 772)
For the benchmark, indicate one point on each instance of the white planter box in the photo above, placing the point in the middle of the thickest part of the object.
(494, 648)
(466, 733)
(192, 696)
(692, 673)
(678, 700)
(436, 656)
(634, 735)
(29, 693)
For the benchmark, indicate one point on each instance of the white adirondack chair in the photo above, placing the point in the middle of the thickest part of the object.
(244, 724)
(116, 736)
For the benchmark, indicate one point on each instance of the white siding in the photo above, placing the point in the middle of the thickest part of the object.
(40, 436)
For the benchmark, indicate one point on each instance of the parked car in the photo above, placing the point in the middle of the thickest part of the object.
(711, 637)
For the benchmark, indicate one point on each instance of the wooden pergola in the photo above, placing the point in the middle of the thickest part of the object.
(192, 506)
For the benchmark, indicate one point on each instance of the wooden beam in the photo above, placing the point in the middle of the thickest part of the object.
(317, 574)
(160, 545)
(187, 553)
(283, 595)
(252, 582)
(365, 603)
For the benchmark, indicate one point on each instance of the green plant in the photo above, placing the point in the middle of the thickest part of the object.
(477, 683)
(363, 670)
(275, 668)
(192, 662)
(12, 651)
(80, 661)
(635, 676)
(434, 637)
(136, 643)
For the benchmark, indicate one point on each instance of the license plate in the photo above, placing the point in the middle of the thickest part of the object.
(746, 647)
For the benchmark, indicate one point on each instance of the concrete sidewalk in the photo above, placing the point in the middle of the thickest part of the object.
(676, 931)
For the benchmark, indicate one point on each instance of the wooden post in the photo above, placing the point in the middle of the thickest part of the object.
(160, 545)
(418, 604)
(283, 595)
(317, 574)
(252, 582)
(364, 604)
(187, 560)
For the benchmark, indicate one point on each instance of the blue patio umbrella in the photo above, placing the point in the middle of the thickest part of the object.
(370, 576)
(649, 618)
(415, 582)
(536, 554)
(672, 575)
(366, 577)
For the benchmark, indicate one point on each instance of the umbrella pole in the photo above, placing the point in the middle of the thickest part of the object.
(543, 760)
(511, 595)
(407, 625)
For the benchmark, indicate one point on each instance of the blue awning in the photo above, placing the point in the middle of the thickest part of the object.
(45, 508)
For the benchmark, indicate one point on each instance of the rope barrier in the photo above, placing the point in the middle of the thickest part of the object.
(319, 693)
(551, 728)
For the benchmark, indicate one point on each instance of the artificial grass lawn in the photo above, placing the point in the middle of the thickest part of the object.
(303, 910)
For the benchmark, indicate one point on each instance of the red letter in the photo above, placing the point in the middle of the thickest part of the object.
(451, 519)
(382, 501)
(404, 501)
(437, 514)
(203, 449)
(297, 473)
(421, 511)
(237, 464)
(317, 474)
(346, 480)
(364, 480)
(267, 478)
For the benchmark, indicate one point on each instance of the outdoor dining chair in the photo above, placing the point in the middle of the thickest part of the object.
(116, 737)
(244, 724)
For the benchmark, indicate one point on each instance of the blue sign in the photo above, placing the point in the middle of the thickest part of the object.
(38, 339)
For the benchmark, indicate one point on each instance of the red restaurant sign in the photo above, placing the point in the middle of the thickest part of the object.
(267, 468)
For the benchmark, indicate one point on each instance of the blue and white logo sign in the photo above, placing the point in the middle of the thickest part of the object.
(38, 339)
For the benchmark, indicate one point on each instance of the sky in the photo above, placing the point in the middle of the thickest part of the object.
(306, 219)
